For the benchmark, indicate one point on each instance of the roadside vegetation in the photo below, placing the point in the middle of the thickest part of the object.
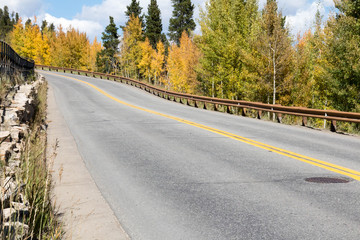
(27, 211)
(36, 173)
(243, 53)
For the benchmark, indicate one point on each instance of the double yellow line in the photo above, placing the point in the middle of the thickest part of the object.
(322, 164)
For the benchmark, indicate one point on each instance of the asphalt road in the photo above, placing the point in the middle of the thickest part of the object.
(167, 179)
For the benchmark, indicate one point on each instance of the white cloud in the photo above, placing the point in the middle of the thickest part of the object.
(302, 20)
(24, 7)
(291, 7)
(300, 14)
(93, 19)
(305, 17)
(92, 28)
(100, 12)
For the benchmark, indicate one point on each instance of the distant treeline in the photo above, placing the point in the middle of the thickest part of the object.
(243, 52)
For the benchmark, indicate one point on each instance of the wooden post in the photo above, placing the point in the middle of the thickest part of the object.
(333, 126)
(259, 114)
(229, 109)
(188, 102)
(196, 104)
(279, 117)
(243, 112)
(304, 121)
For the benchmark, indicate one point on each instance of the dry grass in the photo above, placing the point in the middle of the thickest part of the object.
(34, 176)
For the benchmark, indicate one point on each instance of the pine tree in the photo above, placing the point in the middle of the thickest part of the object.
(153, 24)
(182, 19)
(44, 26)
(134, 10)
(106, 60)
(7, 22)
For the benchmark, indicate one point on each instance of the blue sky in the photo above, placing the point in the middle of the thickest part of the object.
(92, 16)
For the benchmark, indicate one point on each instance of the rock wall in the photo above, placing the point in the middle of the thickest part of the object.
(17, 111)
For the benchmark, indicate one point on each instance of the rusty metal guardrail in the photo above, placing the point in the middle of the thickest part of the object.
(11, 62)
(228, 105)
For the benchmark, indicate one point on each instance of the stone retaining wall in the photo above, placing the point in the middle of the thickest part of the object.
(17, 110)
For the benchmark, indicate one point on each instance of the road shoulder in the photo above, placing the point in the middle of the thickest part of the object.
(84, 212)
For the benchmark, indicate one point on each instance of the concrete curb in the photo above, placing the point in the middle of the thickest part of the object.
(84, 212)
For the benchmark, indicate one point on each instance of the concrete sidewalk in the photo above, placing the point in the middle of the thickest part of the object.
(85, 213)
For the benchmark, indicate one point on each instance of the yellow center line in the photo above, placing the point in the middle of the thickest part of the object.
(313, 161)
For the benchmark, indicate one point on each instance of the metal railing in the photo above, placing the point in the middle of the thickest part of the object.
(11, 63)
(228, 105)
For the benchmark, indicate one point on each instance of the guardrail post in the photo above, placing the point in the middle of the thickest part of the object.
(279, 117)
(216, 107)
(205, 107)
(333, 126)
(196, 104)
(304, 121)
(259, 114)
(243, 112)
(229, 109)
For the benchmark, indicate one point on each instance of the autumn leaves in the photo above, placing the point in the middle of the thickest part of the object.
(47, 46)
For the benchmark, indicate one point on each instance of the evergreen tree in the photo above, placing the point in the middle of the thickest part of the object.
(106, 60)
(182, 19)
(44, 26)
(7, 22)
(52, 27)
(166, 44)
(134, 10)
(153, 24)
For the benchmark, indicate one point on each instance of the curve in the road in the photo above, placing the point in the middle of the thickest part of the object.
(316, 162)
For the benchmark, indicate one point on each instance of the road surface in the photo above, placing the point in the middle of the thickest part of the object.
(171, 171)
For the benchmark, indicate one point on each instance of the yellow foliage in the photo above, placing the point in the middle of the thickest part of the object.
(145, 60)
(17, 37)
(95, 47)
(130, 48)
(157, 62)
(182, 62)
(29, 42)
(63, 49)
